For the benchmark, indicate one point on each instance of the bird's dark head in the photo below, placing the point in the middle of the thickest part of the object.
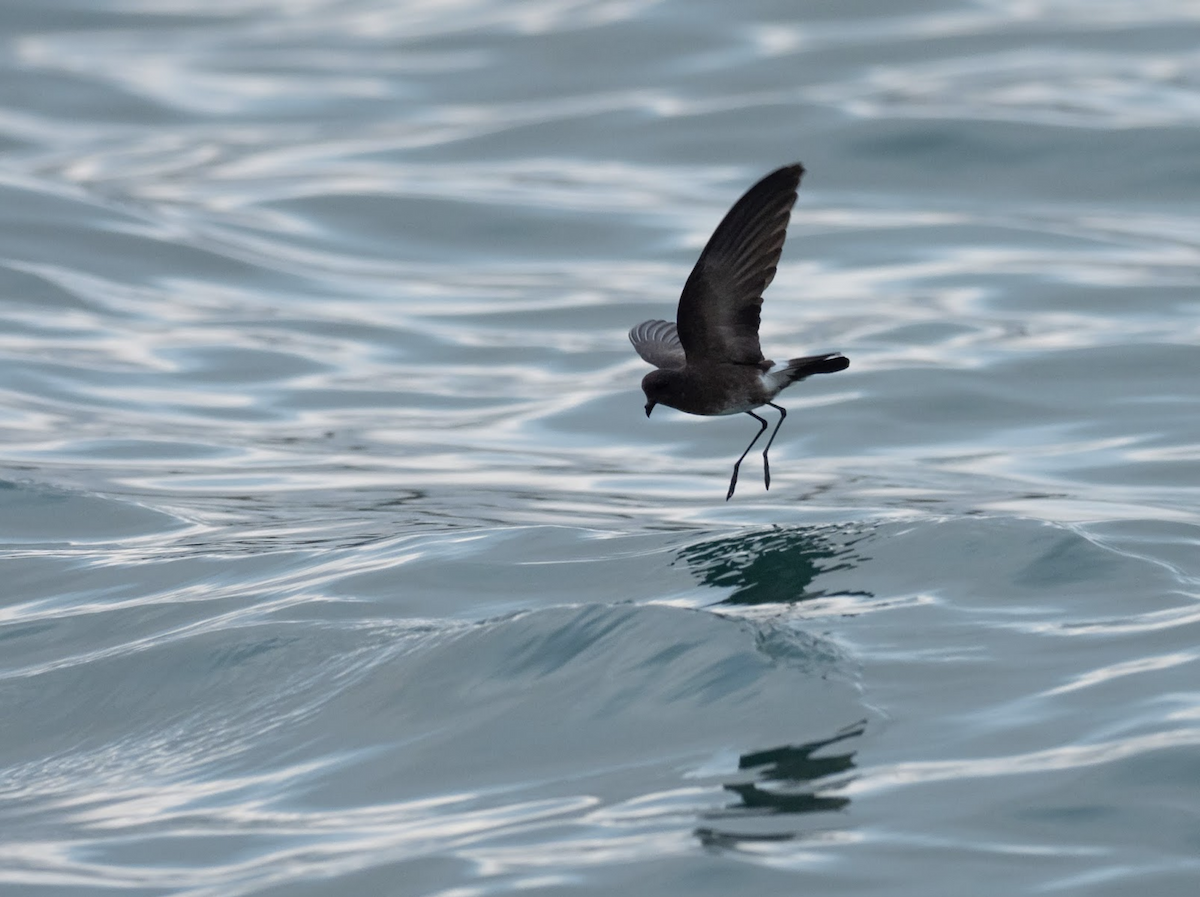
(657, 387)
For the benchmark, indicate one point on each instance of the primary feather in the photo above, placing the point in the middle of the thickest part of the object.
(658, 343)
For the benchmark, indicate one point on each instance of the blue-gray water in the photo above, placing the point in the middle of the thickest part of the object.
(339, 557)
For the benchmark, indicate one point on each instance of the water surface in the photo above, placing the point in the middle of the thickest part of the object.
(340, 557)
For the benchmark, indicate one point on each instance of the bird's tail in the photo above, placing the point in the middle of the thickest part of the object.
(799, 368)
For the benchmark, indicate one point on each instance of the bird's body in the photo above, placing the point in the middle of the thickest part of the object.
(709, 362)
(742, 388)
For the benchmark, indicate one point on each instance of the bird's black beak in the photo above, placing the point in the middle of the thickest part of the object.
(649, 408)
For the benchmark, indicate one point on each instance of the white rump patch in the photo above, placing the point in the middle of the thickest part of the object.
(774, 379)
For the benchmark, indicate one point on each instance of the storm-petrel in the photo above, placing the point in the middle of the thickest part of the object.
(711, 362)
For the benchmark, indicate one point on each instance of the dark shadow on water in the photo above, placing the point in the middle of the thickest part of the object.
(789, 779)
(775, 566)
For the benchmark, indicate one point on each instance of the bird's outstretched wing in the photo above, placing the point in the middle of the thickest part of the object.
(721, 304)
(658, 343)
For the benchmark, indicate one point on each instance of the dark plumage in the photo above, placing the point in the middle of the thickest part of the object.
(709, 361)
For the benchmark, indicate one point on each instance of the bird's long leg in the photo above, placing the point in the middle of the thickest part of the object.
(761, 430)
(774, 433)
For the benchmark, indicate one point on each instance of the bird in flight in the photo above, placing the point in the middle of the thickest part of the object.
(709, 361)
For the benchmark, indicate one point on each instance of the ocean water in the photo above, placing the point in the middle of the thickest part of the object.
(338, 555)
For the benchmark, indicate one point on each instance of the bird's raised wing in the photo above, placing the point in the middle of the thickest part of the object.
(658, 343)
(721, 304)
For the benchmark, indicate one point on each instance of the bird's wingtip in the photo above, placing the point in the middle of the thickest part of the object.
(795, 169)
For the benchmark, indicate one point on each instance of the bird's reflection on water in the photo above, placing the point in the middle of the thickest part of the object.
(794, 775)
(777, 565)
